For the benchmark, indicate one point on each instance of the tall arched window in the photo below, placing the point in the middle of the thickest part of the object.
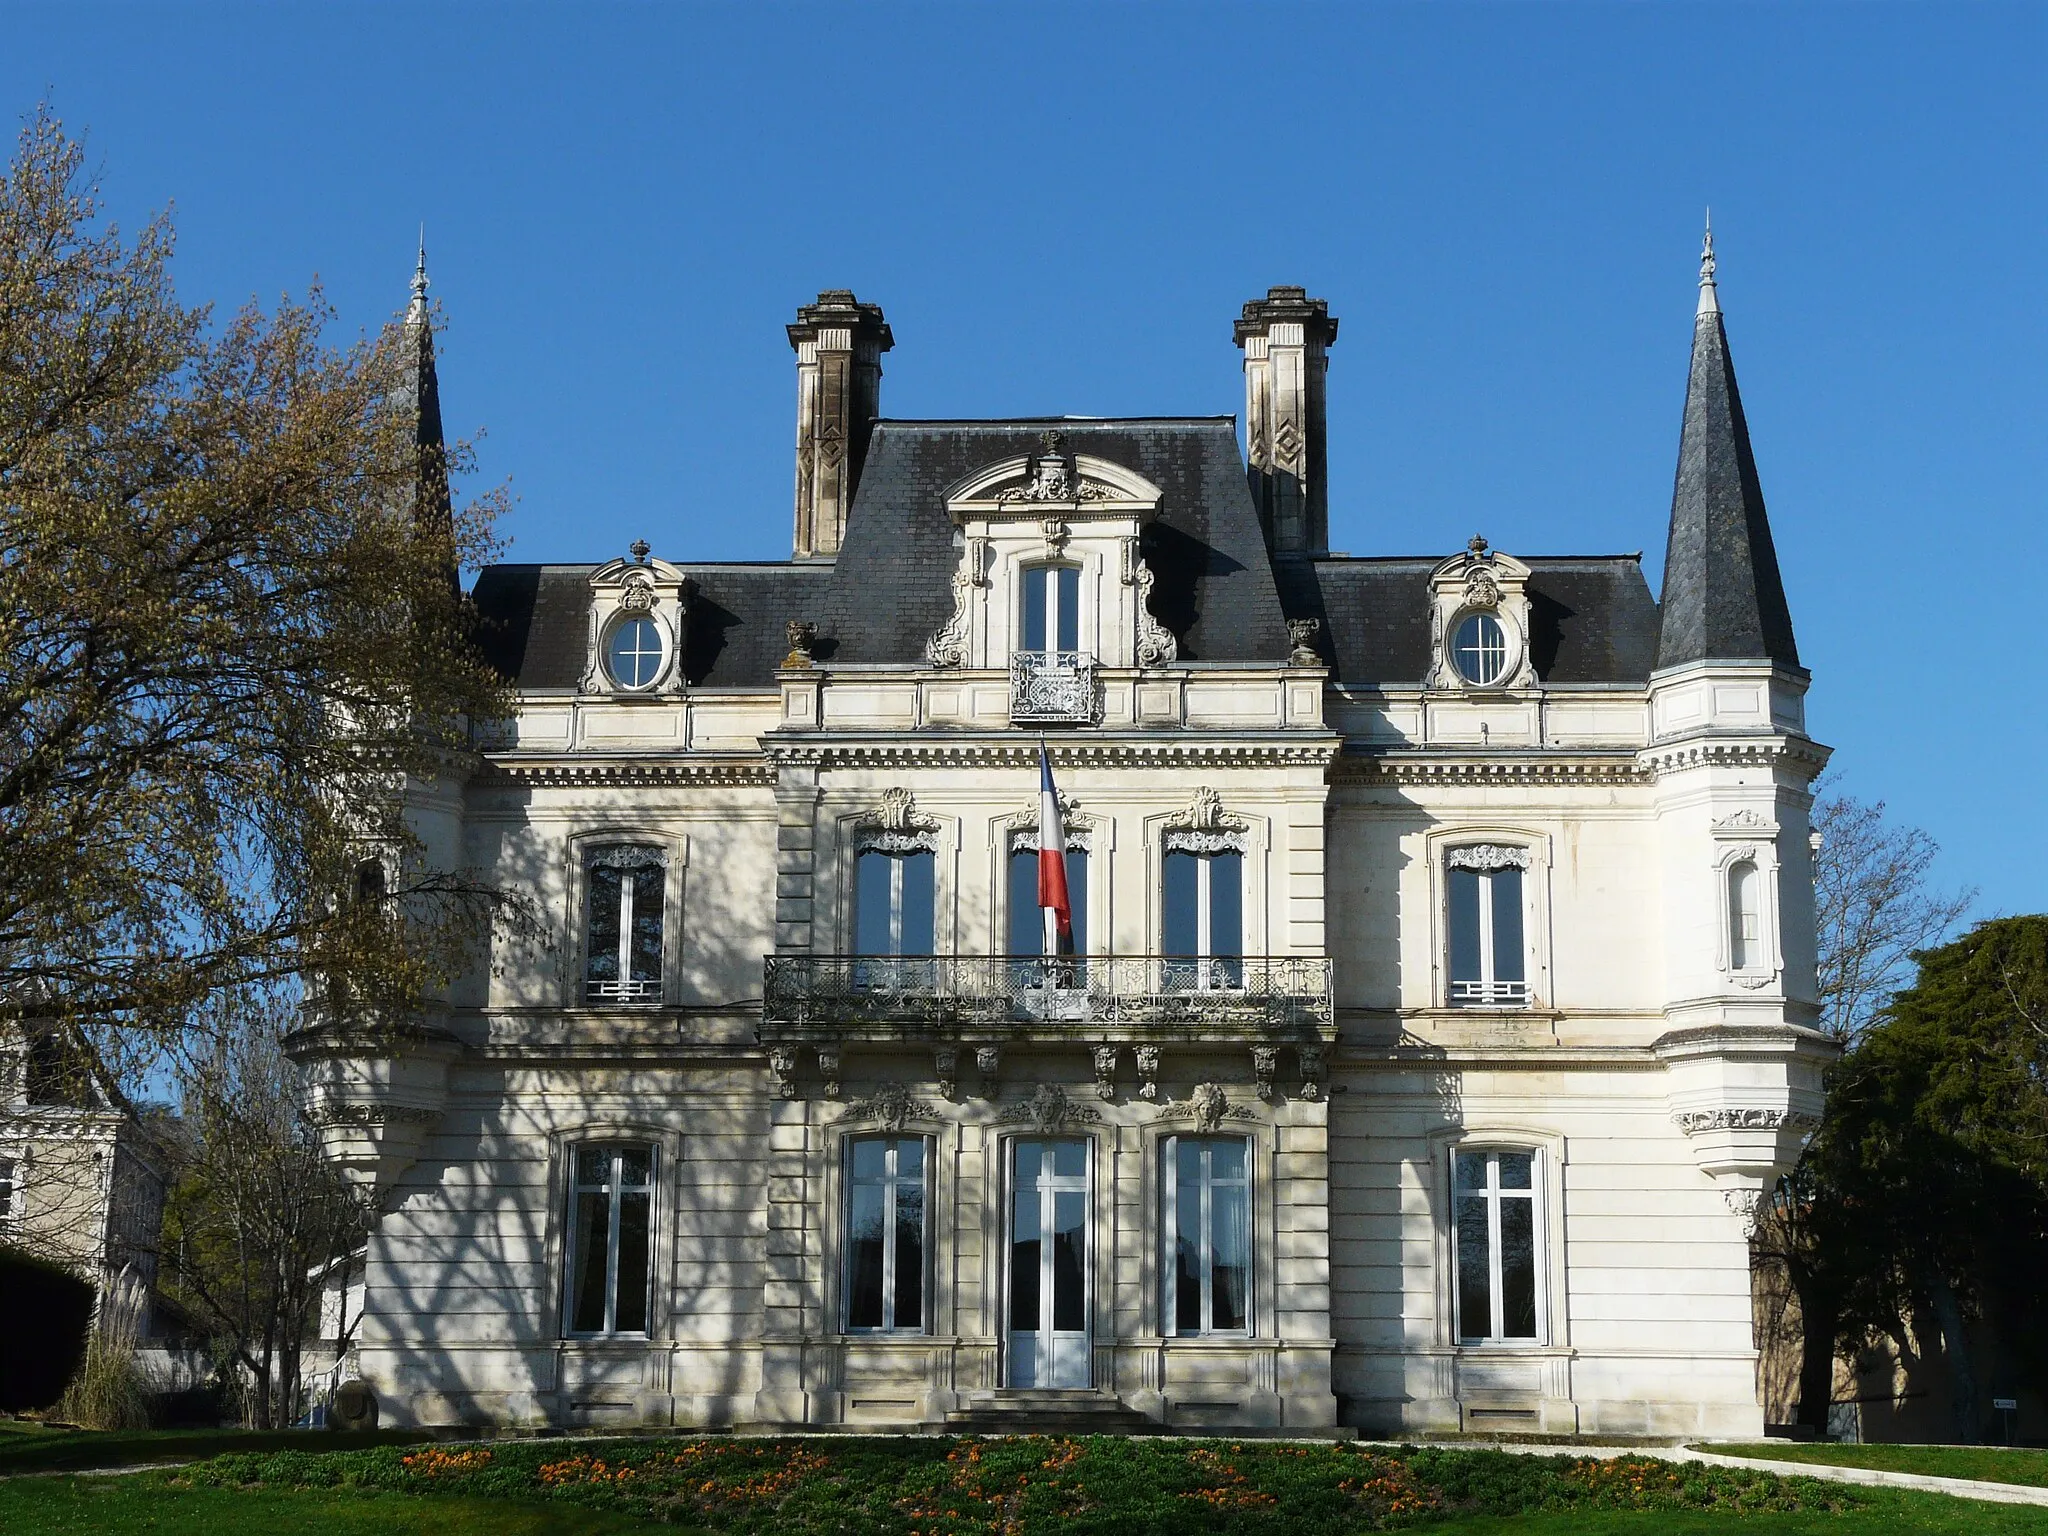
(1745, 916)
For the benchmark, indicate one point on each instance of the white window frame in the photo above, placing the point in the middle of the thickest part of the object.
(890, 1181)
(1501, 651)
(629, 993)
(1539, 1214)
(615, 1187)
(1486, 861)
(1047, 571)
(10, 1188)
(1204, 849)
(1170, 1195)
(661, 653)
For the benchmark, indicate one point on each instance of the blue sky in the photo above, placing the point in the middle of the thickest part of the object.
(1061, 210)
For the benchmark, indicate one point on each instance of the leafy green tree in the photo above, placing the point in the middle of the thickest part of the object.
(1929, 1178)
(230, 634)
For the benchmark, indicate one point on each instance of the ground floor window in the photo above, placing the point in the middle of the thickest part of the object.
(1207, 1221)
(611, 1211)
(1495, 1237)
(885, 1233)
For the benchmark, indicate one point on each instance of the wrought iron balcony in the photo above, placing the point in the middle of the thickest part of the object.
(1285, 993)
(1053, 687)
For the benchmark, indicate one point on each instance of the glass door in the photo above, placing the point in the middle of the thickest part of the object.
(1048, 1280)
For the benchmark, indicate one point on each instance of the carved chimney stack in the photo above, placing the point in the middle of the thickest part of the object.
(839, 343)
(1286, 434)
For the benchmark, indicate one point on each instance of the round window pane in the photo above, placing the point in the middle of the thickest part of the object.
(1480, 649)
(635, 653)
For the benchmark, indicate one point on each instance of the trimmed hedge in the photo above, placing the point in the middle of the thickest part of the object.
(1094, 1486)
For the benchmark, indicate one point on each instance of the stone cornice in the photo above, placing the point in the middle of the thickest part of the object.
(1537, 765)
(1722, 750)
(612, 769)
(1018, 751)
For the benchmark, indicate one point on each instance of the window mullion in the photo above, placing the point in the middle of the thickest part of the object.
(626, 884)
(1208, 1256)
(611, 1247)
(1203, 936)
(1486, 938)
(889, 1236)
(1497, 1270)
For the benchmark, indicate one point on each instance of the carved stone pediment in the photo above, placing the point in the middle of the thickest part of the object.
(897, 825)
(1203, 826)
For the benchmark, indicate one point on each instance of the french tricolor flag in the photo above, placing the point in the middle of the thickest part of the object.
(1052, 864)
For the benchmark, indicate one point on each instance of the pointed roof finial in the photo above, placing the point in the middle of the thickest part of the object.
(419, 281)
(1710, 303)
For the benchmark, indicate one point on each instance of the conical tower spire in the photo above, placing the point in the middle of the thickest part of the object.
(420, 399)
(1723, 598)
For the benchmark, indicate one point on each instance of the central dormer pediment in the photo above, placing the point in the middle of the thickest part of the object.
(1033, 485)
(1049, 563)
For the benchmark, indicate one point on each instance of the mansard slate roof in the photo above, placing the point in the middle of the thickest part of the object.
(1592, 619)
(1216, 587)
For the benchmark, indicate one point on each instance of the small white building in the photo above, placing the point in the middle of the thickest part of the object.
(1443, 978)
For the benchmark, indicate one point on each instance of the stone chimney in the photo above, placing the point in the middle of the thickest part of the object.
(839, 344)
(1286, 435)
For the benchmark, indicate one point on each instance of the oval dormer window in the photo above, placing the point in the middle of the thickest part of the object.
(633, 654)
(1479, 649)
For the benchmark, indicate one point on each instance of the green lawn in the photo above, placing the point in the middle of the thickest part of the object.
(148, 1502)
(1985, 1463)
(31, 1448)
(850, 1486)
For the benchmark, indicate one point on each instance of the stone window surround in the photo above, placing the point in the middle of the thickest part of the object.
(1262, 1133)
(1247, 834)
(1096, 835)
(1168, 1234)
(1536, 908)
(830, 1177)
(1552, 1313)
(1736, 844)
(849, 828)
(667, 1146)
(620, 589)
(574, 930)
(920, 1130)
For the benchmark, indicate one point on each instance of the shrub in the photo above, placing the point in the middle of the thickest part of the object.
(45, 1312)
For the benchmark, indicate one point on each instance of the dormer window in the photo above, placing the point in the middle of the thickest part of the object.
(1052, 608)
(633, 652)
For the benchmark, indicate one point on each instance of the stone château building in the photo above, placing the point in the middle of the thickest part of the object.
(1443, 980)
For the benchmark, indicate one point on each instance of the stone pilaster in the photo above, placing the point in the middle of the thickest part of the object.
(796, 835)
(839, 343)
(1286, 427)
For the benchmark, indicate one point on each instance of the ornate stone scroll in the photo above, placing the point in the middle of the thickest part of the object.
(898, 826)
(1265, 1062)
(1048, 1109)
(828, 1068)
(782, 1062)
(1203, 826)
(1488, 856)
(1313, 1058)
(892, 1107)
(1105, 1070)
(1148, 1073)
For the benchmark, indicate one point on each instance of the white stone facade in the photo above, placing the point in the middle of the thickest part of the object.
(1644, 1068)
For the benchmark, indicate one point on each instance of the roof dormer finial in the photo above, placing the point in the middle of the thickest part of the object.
(1710, 303)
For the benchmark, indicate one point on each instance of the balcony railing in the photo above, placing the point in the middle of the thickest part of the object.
(1489, 994)
(992, 991)
(632, 994)
(1053, 686)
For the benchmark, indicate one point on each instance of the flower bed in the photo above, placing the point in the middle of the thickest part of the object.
(1087, 1486)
